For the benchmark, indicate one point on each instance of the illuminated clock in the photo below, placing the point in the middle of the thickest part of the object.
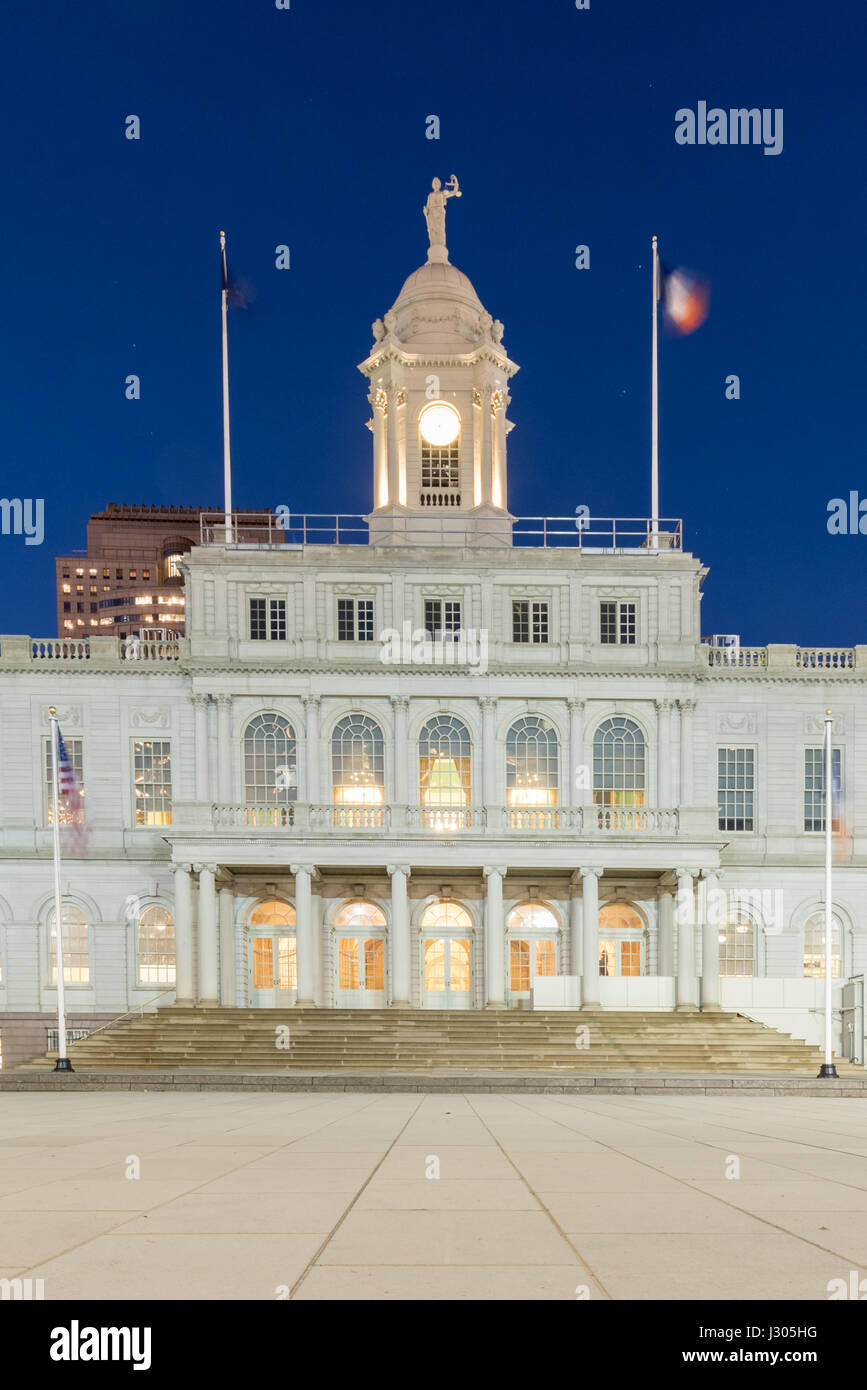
(440, 424)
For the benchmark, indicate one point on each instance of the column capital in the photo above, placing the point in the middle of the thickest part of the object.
(685, 873)
(575, 705)
(199, 701)
(488, 703)
(296, 869)
(399, 702)
(687, 706)
(710, 873)
(664, 704)
(392, 869)
(591, 873)
(206, 868)
(494, 869)
(184, 865)
(223, 701)
(311, 700)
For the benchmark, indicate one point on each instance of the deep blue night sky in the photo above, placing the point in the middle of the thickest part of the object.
(307, 127)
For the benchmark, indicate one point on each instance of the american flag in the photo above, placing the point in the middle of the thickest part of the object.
(71, 797)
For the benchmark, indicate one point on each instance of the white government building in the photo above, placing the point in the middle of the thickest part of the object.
(436, 757)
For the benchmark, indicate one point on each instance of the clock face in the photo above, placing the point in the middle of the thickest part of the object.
(440, 424)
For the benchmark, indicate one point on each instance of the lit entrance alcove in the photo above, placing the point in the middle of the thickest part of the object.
(447, 956)
(271, 960)
(533, 936)
(359, 957)
(621, 941)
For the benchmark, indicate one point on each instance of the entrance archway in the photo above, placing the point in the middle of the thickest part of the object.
(272, 973)
(621, 941)
(446, 956)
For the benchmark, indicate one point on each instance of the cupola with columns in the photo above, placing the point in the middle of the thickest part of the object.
(439, 376)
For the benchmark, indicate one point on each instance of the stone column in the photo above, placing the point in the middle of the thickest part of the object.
(311, 749)
(495, 940)
(687, 984)
(378, 400)
(663, 752)
(304, 932)
(576, 935)
(184, 988)
(400, 937)
(665, 934)
(391, 436)
(226, 896)
(400, 708)
(224, 748)
(710, 987)
(487, 447)
(209, 984)
(499, 403)
(489, 754)
(579, 792)
(203, 781)
(590, 992)
(687, 709)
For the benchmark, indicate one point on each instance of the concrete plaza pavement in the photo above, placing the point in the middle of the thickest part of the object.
(134, 1195)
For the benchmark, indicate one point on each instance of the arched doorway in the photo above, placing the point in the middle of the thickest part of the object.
(533, 936)
(359, 956)
(446, 956)
(272, 973)
(622, 947)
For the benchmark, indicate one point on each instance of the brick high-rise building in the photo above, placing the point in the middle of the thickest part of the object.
(128, 579)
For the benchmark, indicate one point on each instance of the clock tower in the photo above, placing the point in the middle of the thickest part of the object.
(439, 390)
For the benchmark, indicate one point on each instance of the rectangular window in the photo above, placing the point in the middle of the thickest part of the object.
(529, 621)
(442, 618)
(814, 789)
(75, 749)
(440, 467)
(736, 788)
(617, 623)
(76, 959)
(355, 620)
(267, 619)
(152, 781)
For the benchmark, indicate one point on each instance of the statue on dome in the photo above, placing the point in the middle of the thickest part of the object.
(435, 216)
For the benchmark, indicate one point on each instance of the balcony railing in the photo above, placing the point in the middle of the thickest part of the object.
(599, 534)
(825, 658)
(737, 656)
(449, 820)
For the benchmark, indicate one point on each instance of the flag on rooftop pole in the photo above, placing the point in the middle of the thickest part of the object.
(685, 299)
(227, 452)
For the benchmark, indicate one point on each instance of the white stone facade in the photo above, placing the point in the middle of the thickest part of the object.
(512, 800)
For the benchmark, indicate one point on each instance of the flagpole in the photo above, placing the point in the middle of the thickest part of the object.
(63, 1063)
(828, 1070)
(227, 452)
(654, 402)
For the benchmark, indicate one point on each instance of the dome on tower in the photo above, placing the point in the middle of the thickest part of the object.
(438, 310)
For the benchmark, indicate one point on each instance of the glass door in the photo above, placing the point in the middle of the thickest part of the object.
(272, 970)
(447, 971)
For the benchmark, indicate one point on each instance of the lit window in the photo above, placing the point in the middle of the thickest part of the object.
(532, 945)
(618, 766)
(270, 769)
(814, 947)
(76, 960)
(621, 937)
(173, 565)
(442, 619)
(66, 588)
(358, 771)
(74, 748)
(737, 948)
(152, 777)
(156, 947)
(532, 781)
(444, 772)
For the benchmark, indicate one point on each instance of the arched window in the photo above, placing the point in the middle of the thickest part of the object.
(270, 770)
(737, 951)
(619, 771)
(532, 762)
(814, 947)
(444, 772)
(156, 946)
(76, 957)
(358, 771)
(446, 916)
(532, 929)
(274, 964)
(621, 940)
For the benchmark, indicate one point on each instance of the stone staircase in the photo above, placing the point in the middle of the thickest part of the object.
(379, 1041)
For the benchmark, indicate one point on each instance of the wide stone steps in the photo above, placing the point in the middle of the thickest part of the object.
(385, 1040)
